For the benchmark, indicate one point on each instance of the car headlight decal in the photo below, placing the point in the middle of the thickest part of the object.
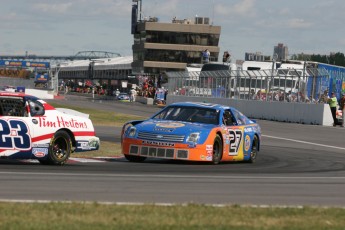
(193, 137)
(132, 131)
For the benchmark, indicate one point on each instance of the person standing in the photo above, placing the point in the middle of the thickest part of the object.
(342, 107)
(206, 56)
(333, 103)
(132, 95)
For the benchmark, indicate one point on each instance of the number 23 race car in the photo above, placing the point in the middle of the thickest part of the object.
(30, 128)
(194, 132)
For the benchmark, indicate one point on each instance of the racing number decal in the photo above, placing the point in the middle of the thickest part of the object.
(235, 141)
(4, 135)
(14, 135)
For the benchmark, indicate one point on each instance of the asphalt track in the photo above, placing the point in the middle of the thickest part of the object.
(298, 165)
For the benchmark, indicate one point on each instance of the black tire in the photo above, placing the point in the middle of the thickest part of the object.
(254, 150)
(60, 149)
(217, 150)
(132, 158)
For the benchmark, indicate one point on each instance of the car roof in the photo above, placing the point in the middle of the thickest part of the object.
(202, 105)
(12, 94)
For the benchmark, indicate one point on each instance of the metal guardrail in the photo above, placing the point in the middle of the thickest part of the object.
(289, 85)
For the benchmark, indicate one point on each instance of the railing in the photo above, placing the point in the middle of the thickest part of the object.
(289, 85)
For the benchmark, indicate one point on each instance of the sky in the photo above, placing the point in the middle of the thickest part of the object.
(64, 27)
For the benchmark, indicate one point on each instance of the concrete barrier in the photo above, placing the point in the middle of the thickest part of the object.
(42, 94)
(144, 100)
(302, 113)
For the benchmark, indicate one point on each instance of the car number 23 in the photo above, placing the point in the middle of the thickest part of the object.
(14, 134)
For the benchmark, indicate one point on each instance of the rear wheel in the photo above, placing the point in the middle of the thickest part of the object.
(254, 150)
(217, 150)
(59, 150)
(134, 158)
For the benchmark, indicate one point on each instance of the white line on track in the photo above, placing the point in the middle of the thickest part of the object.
(304, 142)
(119, 175)
(160, 204)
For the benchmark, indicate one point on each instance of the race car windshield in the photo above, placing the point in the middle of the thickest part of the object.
(189, 114)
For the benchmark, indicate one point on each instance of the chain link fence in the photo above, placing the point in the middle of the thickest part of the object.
(289, 85)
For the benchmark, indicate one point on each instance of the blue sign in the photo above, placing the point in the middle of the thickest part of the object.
(24, 64)
(41, 78)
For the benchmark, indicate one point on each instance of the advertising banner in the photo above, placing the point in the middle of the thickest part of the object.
(24, 64)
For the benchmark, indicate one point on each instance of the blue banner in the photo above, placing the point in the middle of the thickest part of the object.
(337, 77)
(24, 64)
(41, 78)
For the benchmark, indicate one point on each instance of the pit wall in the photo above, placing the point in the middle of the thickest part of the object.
(42, 94)
(302, 113)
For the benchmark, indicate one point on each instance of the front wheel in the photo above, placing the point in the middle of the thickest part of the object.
(134, 158)
(60, 149)
(217, 150)
(254, 150)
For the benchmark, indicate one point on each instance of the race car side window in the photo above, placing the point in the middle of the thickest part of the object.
(12, 107)
(228, 119)
(36, 108)
(241, 120)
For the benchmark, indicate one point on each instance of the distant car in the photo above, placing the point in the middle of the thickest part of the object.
(193, 132)
(30, 128)
(123, 97)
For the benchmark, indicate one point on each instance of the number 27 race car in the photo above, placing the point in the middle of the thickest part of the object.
(30, 128)
(194, 132)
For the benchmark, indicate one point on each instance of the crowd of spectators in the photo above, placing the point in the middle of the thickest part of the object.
(147, 89)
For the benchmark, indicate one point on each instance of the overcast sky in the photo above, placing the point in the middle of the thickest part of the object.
(64, 27)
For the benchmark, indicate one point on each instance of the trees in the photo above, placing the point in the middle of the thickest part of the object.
(333, 59)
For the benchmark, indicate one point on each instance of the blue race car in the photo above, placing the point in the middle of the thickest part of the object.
(193, 132)
(123, 97)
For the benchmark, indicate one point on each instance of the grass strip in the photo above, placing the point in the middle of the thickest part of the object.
(102, 118)
(101, 216)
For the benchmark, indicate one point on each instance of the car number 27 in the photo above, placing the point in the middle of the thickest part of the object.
(14, 135)
(235, 141)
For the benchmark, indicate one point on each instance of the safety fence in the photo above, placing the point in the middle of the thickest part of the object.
(289, 85)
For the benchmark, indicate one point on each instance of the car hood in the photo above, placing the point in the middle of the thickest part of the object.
(172, 127)
(72, 112)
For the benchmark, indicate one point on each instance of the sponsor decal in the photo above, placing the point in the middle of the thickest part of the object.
(202, 157)
(209, 158)
(170, 125)
(87, 145)
(163, 130)
(40, 145)
(248, 129)
(158, 143)
(247, 143)
(61, 122)
(191, 145)
(40, 152)
(209, 147)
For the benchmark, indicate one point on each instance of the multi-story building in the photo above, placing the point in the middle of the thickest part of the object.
(159, 47)
(258, 56)
(281, 52)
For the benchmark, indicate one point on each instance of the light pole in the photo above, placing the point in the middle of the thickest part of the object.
(55, 81)
(274, 59)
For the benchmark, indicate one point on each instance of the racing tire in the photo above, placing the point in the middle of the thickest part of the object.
(217, 150)
(132, 158)
(254, 150)
(60, 149)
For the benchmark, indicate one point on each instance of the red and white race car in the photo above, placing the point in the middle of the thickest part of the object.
(30, 128)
